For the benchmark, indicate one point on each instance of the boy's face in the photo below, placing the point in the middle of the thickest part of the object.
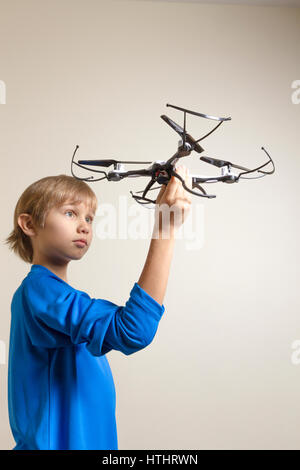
(63, 226)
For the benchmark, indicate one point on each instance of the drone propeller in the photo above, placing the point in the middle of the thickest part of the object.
(220, 163)
(105, 163)
(192, 143)
(200, 114)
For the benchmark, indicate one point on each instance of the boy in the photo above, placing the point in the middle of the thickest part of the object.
(61, 392)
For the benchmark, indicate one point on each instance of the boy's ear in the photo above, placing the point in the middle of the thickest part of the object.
(26, 224)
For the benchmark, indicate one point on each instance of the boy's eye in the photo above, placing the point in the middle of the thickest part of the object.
(72, 212)
(69, 212)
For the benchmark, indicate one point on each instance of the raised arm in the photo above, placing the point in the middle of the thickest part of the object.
(173, 205)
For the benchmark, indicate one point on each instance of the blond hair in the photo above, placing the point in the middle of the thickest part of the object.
(38, 199)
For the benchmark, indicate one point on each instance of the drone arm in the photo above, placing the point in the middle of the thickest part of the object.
(208, 179)
(129, 173)
(194, 184)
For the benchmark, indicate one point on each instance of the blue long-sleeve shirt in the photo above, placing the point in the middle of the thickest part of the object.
(61, 392)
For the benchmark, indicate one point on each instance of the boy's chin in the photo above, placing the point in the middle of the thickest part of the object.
(77, 256)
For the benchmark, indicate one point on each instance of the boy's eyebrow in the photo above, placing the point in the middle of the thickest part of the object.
(74, 205)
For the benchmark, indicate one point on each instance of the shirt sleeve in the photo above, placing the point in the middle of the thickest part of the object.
(58, 315)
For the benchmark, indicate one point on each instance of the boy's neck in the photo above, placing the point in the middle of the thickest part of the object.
(58, 269)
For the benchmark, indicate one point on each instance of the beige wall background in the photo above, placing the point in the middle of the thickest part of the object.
(218, 374)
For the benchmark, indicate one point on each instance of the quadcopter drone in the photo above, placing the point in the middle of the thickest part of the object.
(161, 171)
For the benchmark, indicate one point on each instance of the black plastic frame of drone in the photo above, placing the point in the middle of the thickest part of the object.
(162, 172)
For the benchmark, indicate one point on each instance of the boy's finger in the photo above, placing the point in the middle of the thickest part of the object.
(182, 171)
(172, 186)
(188, 179)
(181, 191)
(160, 194)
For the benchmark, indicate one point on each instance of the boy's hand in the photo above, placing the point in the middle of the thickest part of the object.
(174, 201)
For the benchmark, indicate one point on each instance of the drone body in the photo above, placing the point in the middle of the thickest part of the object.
(162, 171)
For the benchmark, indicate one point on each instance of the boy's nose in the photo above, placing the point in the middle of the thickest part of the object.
(84, 227)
